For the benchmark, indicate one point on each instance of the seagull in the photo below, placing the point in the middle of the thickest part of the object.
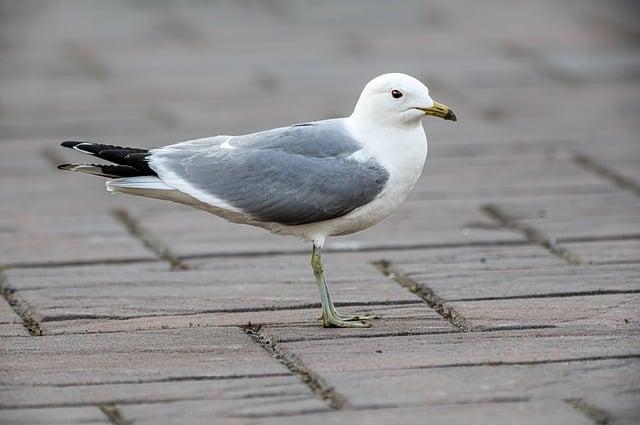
(311, 180)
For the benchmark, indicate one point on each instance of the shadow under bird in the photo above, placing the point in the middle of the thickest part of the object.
(311, 180)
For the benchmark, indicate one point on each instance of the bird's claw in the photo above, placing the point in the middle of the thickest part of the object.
(352, 321)
(361, 317)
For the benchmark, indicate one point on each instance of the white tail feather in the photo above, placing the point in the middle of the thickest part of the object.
(83, 168)
(140, 182)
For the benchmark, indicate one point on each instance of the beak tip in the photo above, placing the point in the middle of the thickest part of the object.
(451, 116)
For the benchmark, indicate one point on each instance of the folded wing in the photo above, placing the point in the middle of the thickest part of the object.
(292, 176)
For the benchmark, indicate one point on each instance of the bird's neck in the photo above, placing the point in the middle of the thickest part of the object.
(396, 146)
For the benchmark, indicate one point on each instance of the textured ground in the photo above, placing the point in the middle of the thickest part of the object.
(509, 282)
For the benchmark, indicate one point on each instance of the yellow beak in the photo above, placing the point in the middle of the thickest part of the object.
(440, 110)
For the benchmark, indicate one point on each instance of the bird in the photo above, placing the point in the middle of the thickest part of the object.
(312, 180)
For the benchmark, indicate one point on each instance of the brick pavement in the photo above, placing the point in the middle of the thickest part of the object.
(508, 282)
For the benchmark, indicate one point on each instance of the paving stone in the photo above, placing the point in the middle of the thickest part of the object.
(448, 350)
(542, 172)
(396, 319)
(470, 273)
(616, 408)
(79, 238)
(552, 412)
(7, 315)
(10, 322)
(580, 312)
(625, 251)
(479, 384)
(55, 416)
(138, 357)
(602, 215)
(13, 329)
(270, 395)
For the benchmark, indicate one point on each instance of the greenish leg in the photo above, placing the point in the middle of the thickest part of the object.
(330, 316)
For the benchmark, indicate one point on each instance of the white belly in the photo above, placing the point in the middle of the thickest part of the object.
(377, 210)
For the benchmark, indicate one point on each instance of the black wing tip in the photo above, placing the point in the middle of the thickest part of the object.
(70, 143)
(65, 166)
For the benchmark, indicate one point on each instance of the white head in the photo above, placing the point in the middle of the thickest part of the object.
(398, 100)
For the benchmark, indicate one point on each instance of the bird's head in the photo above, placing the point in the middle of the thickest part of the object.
(398, 100)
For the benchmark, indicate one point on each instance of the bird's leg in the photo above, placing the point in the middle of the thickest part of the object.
(330, 316)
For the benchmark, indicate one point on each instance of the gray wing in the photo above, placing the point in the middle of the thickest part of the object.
(294, 175)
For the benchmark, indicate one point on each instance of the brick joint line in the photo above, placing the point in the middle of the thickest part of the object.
(532, 234)
(427, 294)
(525, 362)
(371, 248)
(113, 414)
(70, 316)
(334, 337)
(148, 239)
(19, 306)
(596, 415)
(416, 333)
(312, 380)
(190, 378)
(595, 292)
(540, 64)
(605, 172)
(122, 402)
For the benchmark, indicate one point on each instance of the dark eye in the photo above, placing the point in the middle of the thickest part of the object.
(396, 94)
